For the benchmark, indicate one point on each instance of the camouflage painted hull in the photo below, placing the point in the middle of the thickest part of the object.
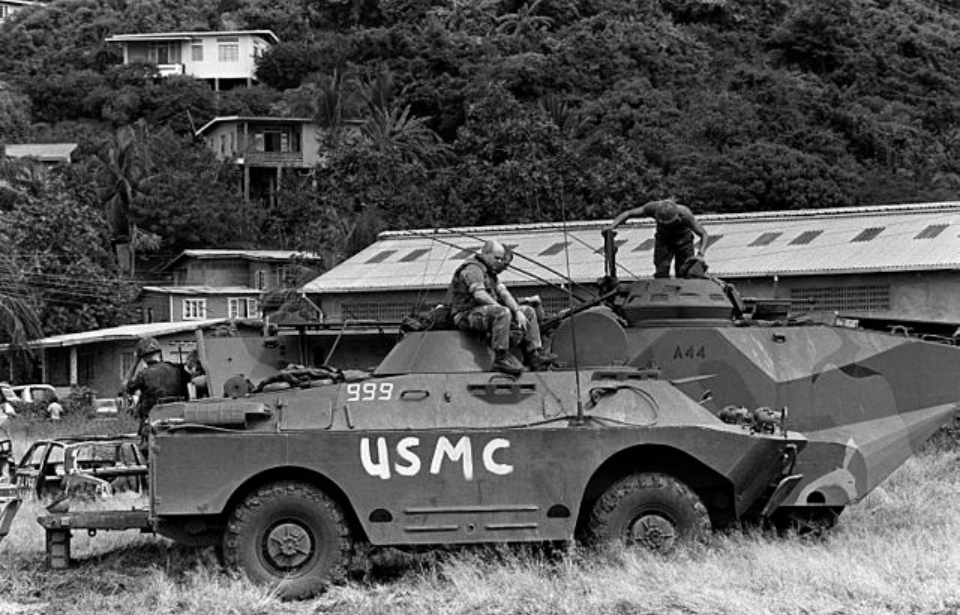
(866, 401)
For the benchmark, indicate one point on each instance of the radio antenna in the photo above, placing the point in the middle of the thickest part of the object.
(573, 324)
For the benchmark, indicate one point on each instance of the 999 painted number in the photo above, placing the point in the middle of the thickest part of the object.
(370, 391)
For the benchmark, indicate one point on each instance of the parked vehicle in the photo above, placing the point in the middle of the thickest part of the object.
(9, 498)
(8, 402)
(29, 393)
(105, 408)
(82, 466)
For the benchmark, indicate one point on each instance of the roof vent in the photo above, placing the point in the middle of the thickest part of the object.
(868, 234)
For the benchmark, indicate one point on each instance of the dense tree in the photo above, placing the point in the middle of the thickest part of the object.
(552, 107)
(56, 257)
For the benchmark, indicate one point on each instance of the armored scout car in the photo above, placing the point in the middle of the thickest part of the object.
(866, 400)
(435, 448)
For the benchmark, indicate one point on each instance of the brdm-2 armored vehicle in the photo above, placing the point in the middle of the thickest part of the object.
(866, 400)
(435, 448)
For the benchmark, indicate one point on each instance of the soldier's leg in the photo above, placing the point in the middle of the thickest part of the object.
(492, 319)
(532, 335)
(683, 251)
(662, 257)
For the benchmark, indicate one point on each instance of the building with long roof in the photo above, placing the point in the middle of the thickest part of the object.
(891, 261)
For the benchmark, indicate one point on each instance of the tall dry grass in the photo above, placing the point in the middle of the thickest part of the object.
(897, 552)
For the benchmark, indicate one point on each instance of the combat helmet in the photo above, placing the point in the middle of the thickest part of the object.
(147, 346)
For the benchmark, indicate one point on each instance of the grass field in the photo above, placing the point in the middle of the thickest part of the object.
(898, 552)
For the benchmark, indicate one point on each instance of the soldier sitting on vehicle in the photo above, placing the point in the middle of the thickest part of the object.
(480, 302)
(158, 380)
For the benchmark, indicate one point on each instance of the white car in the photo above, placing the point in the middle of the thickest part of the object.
(8, 400)
(35, 392)
(105, 408)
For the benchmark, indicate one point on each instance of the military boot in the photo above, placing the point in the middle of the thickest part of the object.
(504, 361)
(540, 360)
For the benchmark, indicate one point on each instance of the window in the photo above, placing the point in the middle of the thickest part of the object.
(380, 257)
(645, 245)
(165, 53)
(931, 231)
(865, 298)
(414, 255)
(196, 52)
(765, 239)
(867, 234)
(555, 248)
(805, 237)
(228, 53)
(463, 254)
(127, 359)
(239, 307)
(617, 243)
(260, 279)
(194, 309)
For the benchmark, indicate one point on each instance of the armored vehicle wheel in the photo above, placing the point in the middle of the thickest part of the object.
(651, 510)
(289, 534)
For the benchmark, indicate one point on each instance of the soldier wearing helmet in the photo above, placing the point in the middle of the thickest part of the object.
(158, 380)
(673, 241)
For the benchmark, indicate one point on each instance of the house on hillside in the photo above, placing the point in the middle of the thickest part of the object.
(896, 262)
(46, 153)
(225, 59)
(266, 148)
(208, 284)
(9, 7)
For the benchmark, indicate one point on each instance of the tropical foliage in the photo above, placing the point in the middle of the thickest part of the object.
(462, 112)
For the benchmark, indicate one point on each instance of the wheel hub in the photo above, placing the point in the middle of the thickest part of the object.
(289, 545)
(654, 532)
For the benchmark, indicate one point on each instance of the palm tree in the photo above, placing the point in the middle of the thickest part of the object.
(524, 21)
(19, 321)
(330, 100)
(392, 130)
(123, 172)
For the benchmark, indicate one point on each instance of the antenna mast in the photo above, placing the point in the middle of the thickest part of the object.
(573, 324)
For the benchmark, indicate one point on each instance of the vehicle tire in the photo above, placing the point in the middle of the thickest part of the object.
(650, 510)
(289, 534)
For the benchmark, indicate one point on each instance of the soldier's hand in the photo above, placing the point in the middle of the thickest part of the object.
(521, 318)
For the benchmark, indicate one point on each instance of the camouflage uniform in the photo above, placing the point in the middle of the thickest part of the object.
(672, 243)
(468, 315)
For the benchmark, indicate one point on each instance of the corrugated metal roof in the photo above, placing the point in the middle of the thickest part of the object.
(204, 290)
(44, 152)
(126, 332)
(253, 255)
(825, 246)
(166, 36)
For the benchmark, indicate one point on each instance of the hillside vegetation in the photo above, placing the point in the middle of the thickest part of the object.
(476, 112)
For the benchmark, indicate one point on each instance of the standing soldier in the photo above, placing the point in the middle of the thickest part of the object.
(158, 380)
(673, 241)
